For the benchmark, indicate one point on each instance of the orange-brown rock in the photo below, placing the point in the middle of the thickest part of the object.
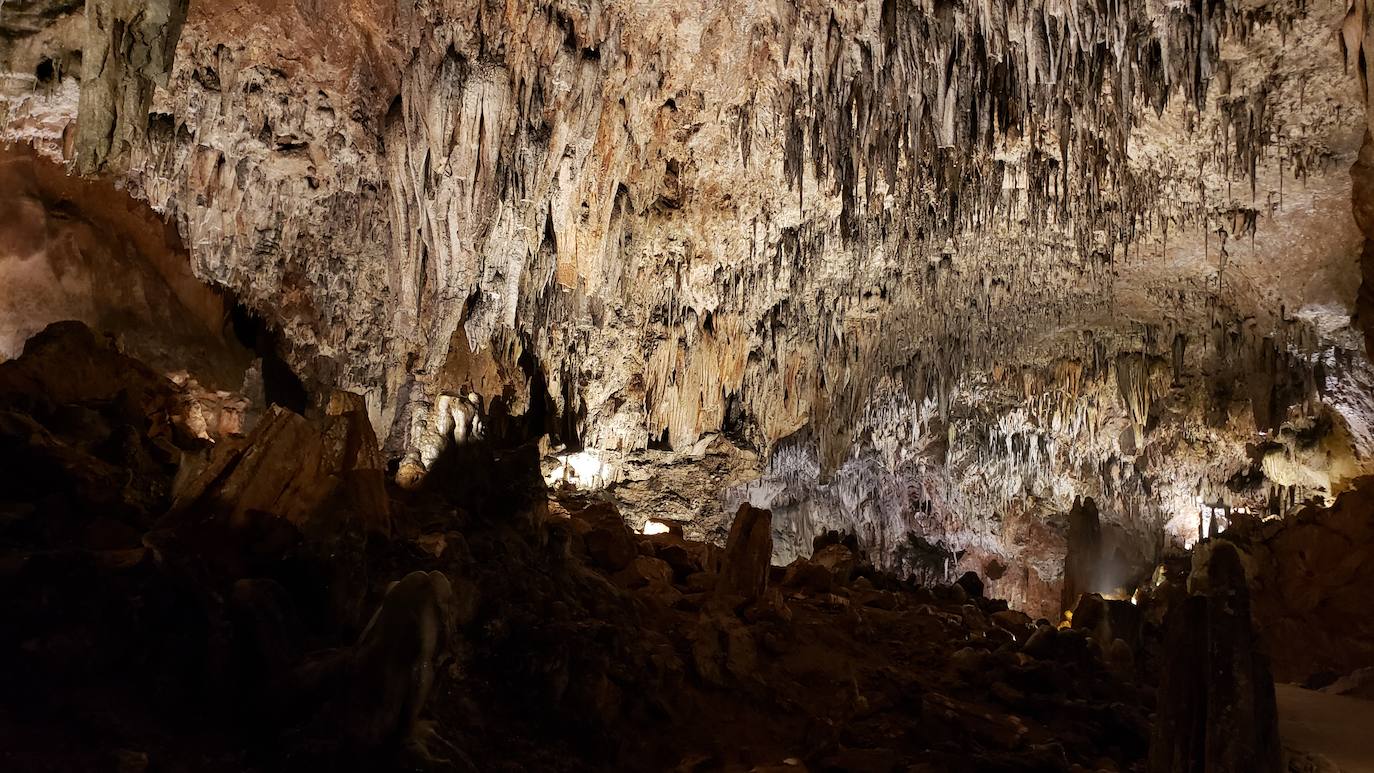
(645, 570)
(839, 560)
(677, 553)
(1310, 577)
(608, 542)
(313, 474)
(808, 577)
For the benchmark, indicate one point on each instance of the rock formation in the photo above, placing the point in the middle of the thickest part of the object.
(1083, 559)
(748, 551)
(1216, 698)
(1307, 577)
(297, 471)
(524, 632)
(957, 251)
(366, 281)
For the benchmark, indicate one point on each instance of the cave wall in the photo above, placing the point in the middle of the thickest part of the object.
(914, 245)
(73, 248)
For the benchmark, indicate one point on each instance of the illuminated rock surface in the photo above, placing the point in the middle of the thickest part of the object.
(926, 267)
(916, 272)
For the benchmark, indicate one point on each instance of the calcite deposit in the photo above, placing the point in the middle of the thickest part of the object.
(883, 291)
(921, 264)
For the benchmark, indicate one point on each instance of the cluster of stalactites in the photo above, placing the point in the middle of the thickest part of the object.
(930, 108)
(1028, 428)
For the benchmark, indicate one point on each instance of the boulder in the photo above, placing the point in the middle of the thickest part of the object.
(311, 474)
(807, 577)
(90, 433)
(840, 560)
(608, 542)
(1108, 620)
(748, 554)
(660, 593)
(1041, 644)
(610, 548)
(700, 582)
(677, 553)
(643, 570)
(1018, 623)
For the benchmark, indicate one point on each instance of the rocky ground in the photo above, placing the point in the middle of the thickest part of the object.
(173, 605)
(272, 602)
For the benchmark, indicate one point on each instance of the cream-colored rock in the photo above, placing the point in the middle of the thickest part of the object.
(927, 286)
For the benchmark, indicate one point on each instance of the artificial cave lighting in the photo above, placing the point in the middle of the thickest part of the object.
(583, 469)
(877, 385)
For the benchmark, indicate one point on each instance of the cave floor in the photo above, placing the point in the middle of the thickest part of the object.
(1336, 727)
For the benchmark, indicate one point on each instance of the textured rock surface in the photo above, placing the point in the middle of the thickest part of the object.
(1308, 581)
(313, 477)
(1083, 557)
(1216, 709)
(939, 268)
(80, 249)
(748, 551)
(508, 643)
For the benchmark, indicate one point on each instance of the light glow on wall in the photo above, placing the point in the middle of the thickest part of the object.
(582, 469)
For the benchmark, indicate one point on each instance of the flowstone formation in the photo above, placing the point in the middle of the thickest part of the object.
(925, 271)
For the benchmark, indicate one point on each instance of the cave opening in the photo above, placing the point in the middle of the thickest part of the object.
(280, 384)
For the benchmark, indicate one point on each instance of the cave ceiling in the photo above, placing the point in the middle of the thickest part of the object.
(898, 267)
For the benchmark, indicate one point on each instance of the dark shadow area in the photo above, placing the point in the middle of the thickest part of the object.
(281, 385)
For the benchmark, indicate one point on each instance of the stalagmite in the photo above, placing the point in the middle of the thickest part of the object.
(1083, 559)
(605, 287)
(1216, 698)
(748, 550)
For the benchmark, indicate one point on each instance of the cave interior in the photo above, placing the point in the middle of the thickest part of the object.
(606, 385)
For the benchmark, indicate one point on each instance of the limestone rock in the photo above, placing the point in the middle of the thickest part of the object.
(315, 476)
(677, 553)
(532, 210)
(748, 553)
(1083, 561)
(394, 661)
(644, 570)
(1217, 710)
(1307, 579)
(1012, 620)
(129, 50)
(808, 577)
(607, 540)
(839, 560)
